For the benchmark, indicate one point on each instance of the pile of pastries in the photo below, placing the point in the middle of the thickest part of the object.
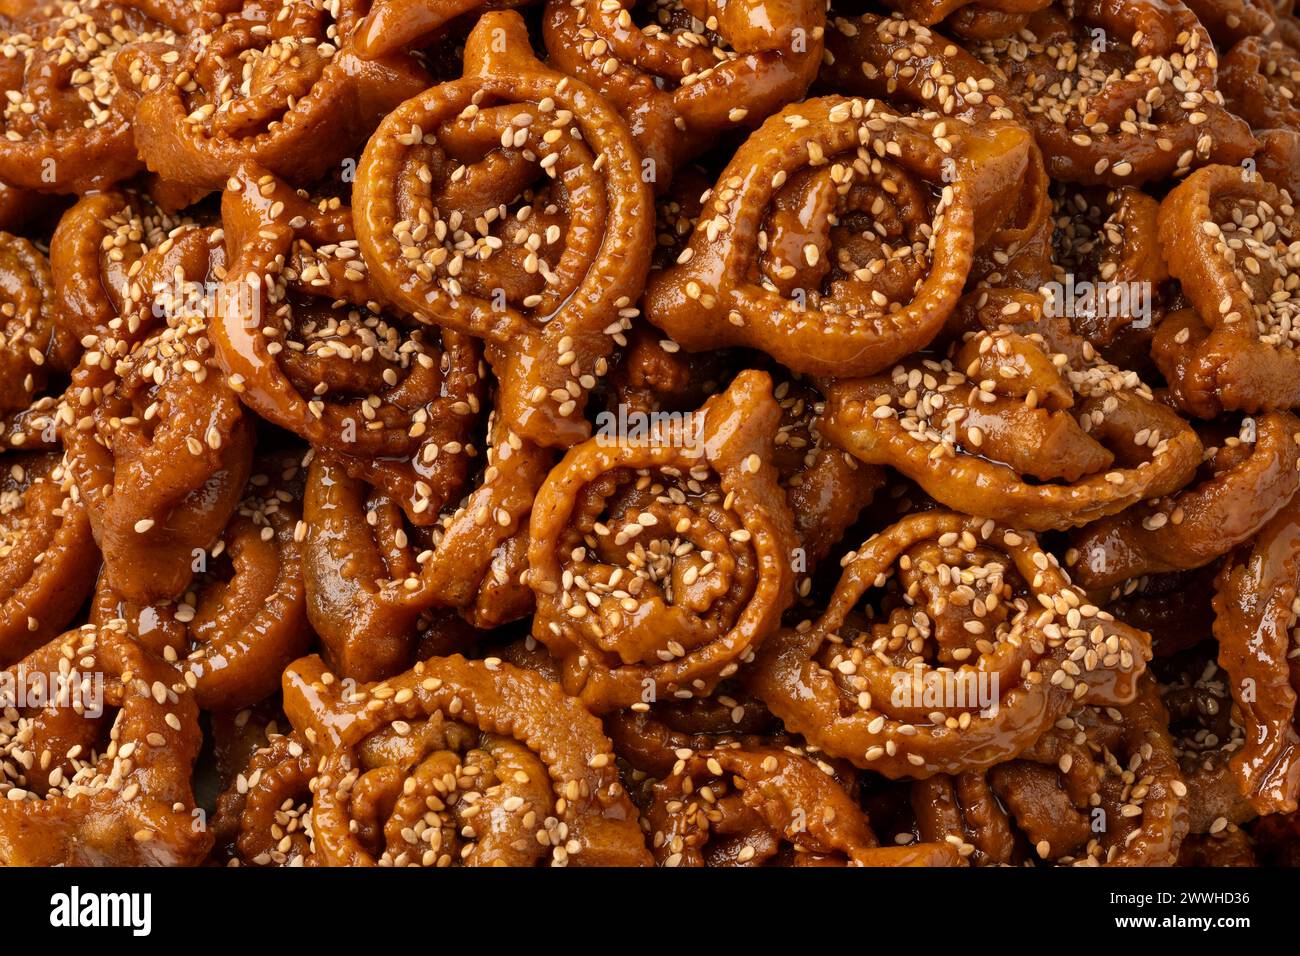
(649, 432)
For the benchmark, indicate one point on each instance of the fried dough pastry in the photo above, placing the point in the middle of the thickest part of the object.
(660, 564)
(839, 237)
(71, 800)
(1102, 788)
(157, 441)
(688, 433)
(1230, 239)
(372, 577)
(1255, 611)
(690, 70)
(475, 763)
(264, 817)
(48, 557)
(277, 84)
(1021, 421)
(1248, 480)
(36, 352)
(758, 806)
(509, 205)
(978, 646)
(68, 76)
(1119, 93)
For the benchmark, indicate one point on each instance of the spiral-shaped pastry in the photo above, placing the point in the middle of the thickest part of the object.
(1250, 477)
(895, 58)
(839, 237)
(277, 84)
(1255, 608)
(508, 204)
(71, 800)
(68, 105)
(827, 488)
(694, 70)
(898, 57)
(756, 806)
(157, 441)
(1101, 788)
(1230, 239)
(47, 554)
(660, 563)
(1119, 93)
(305, 344)
(459, 762)
(978, 645)
(961, 426)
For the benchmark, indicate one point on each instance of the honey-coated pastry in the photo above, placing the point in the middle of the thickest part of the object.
(979, 647)
(454, 761)
(47, 554)
(1005, 12)
(839, 237)
(1252, 476)
(1022, 422)
(393, 24)
(36, 352)
(895, 58)
(371, 577)
(1106, 244)
(305, 344)
(1255, 608)
(1230, 239)
(157, 441)
(660, 564)
(1260, 77)
(693, 433)
(509, 205)
(1101, 788)
(96, 257)
(1119, 93)
(754, 806)
(70, 101)
(695, 69)
(123, 734)
(277, 84)
(264, 817)
(1231, 20)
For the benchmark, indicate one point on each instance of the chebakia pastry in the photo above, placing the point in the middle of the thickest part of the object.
(672, 433)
